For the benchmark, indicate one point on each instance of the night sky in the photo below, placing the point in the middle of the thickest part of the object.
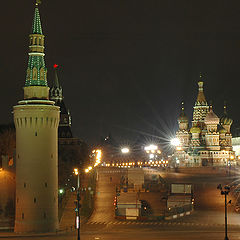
(125, 66)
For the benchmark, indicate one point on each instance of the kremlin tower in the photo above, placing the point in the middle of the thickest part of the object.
(36, 120)
(56, 94)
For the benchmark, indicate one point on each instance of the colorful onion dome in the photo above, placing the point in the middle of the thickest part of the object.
(211, 118)
(195, 129)
(182, 118)
(222, 130)
(225, 120)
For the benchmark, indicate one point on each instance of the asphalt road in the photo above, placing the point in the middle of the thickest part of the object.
(142, 235)
(107, 180)
(206, 222)
(209, 203)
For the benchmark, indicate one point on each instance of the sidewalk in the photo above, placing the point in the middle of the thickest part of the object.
(21, 235)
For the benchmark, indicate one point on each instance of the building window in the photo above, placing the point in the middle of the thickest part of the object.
(24, 185)
(44, 215)
(45, 184)
(34, 200)
(22, 215)
(35, 133)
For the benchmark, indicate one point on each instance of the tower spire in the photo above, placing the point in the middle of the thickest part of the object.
(56, 90)
(201, 107)
(36, 86)
(201, 97)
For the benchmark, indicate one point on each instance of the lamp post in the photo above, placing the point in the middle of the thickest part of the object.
(76, 172)
(225, 191)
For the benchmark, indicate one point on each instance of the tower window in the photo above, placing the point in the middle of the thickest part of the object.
(24, 185)
(36, 134)
(22, 215)
(45, 184)
(34, 200)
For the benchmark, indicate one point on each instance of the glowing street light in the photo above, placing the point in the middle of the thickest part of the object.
(76, 171)
(61, 191)
(151, 156)
(151, 147)
(175, 142)
(125, 150)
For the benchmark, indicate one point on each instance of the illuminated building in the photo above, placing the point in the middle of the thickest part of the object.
(36, 119)
(209, 141)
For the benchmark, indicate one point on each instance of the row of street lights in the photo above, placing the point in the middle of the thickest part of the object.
(98, 154)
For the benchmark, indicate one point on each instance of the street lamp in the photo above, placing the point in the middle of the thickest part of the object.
(125, 150)
(76, 172)
(225, 191)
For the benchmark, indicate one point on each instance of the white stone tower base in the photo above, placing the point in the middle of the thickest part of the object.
(36, 123)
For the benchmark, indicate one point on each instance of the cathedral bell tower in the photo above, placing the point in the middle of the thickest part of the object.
(201, 107)
(36, 119)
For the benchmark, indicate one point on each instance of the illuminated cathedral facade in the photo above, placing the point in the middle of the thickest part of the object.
(209, 141)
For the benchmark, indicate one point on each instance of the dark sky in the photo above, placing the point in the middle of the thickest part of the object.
(125, 66)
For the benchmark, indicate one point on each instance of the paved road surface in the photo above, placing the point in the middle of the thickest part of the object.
(207, 222)
(105, 193)
(143, 235)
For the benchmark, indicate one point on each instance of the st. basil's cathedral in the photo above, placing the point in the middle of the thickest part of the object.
(209, 141)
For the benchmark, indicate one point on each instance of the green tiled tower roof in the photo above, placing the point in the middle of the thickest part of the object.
(36, 70)
(36, 26)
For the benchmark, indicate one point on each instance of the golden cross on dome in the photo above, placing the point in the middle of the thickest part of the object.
(38, 2)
